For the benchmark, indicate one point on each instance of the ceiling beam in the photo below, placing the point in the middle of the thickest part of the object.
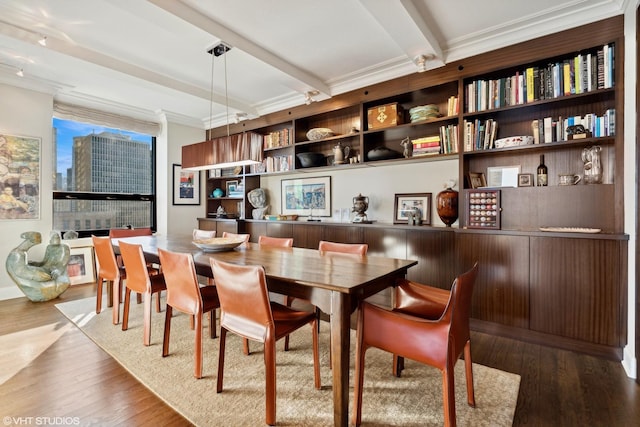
(304, 80)
(414, 40)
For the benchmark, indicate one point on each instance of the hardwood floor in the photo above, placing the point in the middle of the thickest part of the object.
(74, 378)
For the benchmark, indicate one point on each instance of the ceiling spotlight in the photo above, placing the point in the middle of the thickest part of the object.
(20, 73)
(43, 41)
(421, 62)
(308, 96)
(240, 117)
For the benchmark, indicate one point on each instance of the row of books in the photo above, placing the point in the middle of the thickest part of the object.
(452, 106)
(550, 129)
(580, 74)
(279, 138)
(445, 142)
(479, 134)
(277, 163)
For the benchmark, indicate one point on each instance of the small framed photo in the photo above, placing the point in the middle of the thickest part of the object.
(410, 202)
(80, 267)
(232, 186)
(503, 176)
(525, 180)
(476, 180)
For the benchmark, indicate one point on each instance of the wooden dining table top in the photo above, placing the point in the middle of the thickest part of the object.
(345, 273)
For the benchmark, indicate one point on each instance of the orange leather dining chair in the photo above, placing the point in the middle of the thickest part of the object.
(283, 242)
(428, 325)
(110, 272)
(185, 294)
(245, 236)
(203, 234)
(326, 246)
(245, 310)
(139, 280)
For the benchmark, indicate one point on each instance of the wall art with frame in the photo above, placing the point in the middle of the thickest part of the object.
(20, 177)
(186, 186)
(306, 196)
(409, 202)
(80, 267)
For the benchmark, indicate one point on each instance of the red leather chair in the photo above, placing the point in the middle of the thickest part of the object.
(247, 311)
(245, 236)
(429, 325)
(185, 294)
(282, 242)
(108, 271)
(139, 280)
(203, 234)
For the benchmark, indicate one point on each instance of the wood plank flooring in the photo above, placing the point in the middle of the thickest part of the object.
(74, 378)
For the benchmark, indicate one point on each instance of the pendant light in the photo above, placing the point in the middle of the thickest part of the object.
(222, 152)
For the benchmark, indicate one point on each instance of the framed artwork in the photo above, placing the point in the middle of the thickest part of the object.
(20, 177)
(476, 180)
(186, 186)
(410, 202)
(503, 176)
(306, 196)
(525, 180)
(80, 268)
(232, 186)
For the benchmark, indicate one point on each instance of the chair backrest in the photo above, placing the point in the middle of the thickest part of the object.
(283, 242)
(183, 290)
(107, 264)
(129, 232)
(136, 267)
(244, 299)
(245, 236)
(458, 309)
(203, 234)
(347, 248)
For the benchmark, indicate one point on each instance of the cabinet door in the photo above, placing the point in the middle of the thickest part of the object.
(501, 292)
(577, 289)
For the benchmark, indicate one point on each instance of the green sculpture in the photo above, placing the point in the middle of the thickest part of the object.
(44, 280)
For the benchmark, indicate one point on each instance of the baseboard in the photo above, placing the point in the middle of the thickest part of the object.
(10, 292)
(629, 362)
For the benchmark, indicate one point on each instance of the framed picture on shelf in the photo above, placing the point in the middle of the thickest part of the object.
(525, 180)
(186, 186)
(306, 196)
(406, 203)
(503, 176)
(476, 180)
(231, 187)
(80, 267)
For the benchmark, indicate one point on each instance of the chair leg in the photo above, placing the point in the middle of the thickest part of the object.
(270, 381)
(198, 347)
(109, 293)
(139, 298)
(316, 359)
(288, 300)
(471, 399)
(158, 309)
(167, 331)
(223, 339)
(245, 346)
(115, 291)
(212, 324)
(449, 396)
(99, 295)
(125, 311)
(147, 318)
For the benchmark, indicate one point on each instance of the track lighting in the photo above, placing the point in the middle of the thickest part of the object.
(20, 73)
(239, 117)
(308, 96)
(43, 41)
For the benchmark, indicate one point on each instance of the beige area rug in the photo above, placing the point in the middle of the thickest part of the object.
(413, 400)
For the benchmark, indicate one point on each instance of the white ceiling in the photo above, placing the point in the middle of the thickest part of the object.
(146, 58)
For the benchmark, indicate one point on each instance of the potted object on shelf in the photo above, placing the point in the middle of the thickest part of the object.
(447, 204)
(360, 206)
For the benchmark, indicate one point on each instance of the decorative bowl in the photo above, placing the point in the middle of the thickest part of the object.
(382, 153)
(311, 159)
(319, 133)
(218, 244)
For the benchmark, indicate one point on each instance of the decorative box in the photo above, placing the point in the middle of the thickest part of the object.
(483, 208)
(384, 116)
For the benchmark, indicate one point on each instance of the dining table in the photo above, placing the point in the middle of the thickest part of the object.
(333, 282)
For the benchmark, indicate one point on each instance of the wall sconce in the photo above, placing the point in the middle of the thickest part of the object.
(308, 96)
(421, 62)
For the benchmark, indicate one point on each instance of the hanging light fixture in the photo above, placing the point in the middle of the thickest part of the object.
(223, 152)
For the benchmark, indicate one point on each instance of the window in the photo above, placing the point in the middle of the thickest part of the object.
(104, 176)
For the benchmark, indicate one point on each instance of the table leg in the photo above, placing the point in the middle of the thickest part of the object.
(340, 330)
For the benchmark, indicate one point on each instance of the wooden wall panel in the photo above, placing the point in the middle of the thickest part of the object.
(436, 256)
(574, 296)
(501, 292)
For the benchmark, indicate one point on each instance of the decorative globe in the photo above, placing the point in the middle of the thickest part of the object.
(217, 193)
